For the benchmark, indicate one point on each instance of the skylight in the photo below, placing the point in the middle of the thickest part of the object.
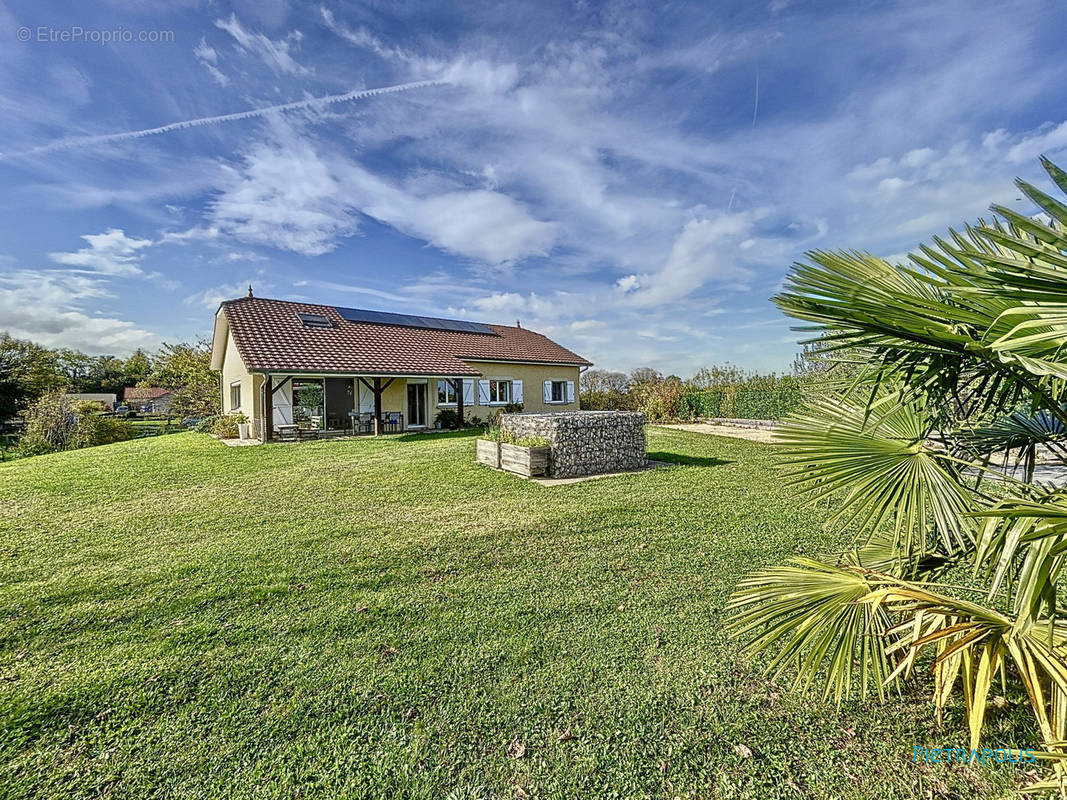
(313, 320)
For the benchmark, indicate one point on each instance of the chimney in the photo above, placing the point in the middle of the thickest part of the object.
(249, 290)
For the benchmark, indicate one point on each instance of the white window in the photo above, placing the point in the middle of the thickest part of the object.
(235, 395)
(495, 392)
(446, 393)
(559, 392)
(500, 392)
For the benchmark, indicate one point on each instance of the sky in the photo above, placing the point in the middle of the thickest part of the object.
(632, 180)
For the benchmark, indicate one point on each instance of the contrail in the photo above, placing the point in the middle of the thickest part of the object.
(755, 106)
(313, 102)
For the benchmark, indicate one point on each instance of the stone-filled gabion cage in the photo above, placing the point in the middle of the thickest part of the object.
(585, 442)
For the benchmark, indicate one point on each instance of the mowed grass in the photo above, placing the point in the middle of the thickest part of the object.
(387, 618)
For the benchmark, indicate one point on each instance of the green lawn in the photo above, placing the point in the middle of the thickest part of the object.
(386, 618)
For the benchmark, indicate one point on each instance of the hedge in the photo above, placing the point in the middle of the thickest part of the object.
(741, 401)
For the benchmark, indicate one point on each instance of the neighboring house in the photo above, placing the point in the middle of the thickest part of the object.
(284, 363)
(105, 400)
(148, 399)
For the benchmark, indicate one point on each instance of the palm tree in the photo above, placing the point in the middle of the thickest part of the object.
(965, 360)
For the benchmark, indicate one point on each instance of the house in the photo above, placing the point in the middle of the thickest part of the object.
(103, 400)
(148, 399)
(321, 367)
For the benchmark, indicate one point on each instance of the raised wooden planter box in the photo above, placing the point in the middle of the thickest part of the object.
(528, 461)
(489, 453)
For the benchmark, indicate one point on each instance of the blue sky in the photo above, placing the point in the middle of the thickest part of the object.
(632, 180)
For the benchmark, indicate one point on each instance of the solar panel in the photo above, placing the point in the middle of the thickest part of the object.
(412, 321)
(313, 320)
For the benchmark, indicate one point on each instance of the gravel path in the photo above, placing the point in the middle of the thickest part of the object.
(751, 434)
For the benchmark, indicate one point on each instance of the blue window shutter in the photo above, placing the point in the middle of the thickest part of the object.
(483, 393)
(570, 391)
(516, 390)
(468, 393)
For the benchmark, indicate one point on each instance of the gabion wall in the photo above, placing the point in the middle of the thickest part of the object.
(585, 442)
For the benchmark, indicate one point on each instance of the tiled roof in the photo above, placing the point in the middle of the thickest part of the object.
(269, 336)
(144, 393)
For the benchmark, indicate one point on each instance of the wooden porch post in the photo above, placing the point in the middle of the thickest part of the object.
(458, 385)
(268, 408)
(377, 406)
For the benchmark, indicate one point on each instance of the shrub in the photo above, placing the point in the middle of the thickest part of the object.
(768, 397)
(447, 418)
(510, 408)
(605, 400)
(658, 400)
(225, 425)
(206, 424)
(55, 423)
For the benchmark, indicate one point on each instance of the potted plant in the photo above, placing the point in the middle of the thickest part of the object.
(526, 456)
(244, 427)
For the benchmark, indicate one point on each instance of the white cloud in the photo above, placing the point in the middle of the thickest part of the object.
(479, 224)
(211, 297)
(209, 59)
(288, 195)
(1048, 138)
(55, 308)
(705, 250)
(111, 253)
(274, 53)
(285, 196)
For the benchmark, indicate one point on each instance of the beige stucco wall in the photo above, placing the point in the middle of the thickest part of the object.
(532, 376)
(233, 369)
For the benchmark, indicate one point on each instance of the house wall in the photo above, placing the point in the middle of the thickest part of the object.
(532, 376)
(233, 369)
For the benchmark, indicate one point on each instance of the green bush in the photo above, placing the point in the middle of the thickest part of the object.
(225, 425)
(55, 423)
(206, 424)
(447, 418)
(768, 398)
(658, 400)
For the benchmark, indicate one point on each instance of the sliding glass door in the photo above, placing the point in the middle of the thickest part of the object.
(308, 407)
(416, 405)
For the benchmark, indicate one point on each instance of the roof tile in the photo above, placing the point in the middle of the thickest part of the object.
(269, 336)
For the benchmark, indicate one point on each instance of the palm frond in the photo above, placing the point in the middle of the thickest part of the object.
(810, 612)
(880, 467)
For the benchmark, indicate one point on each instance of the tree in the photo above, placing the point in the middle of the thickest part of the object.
(27, 371)
(966, 357)
(602, 380)
(137, 368)
(645, 375)
(716, 377)
(185, 369)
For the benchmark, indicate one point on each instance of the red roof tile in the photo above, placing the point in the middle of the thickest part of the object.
(144, 393)
(269, 336)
